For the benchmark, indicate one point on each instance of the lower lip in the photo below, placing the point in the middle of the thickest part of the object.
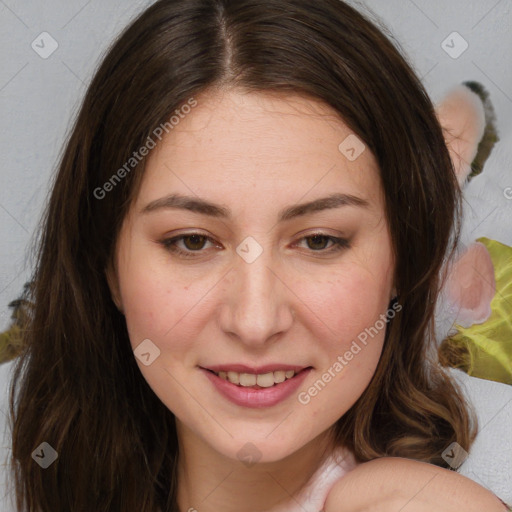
(257, 398)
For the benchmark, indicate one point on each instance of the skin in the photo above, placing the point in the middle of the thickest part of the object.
(297, 303)
(391, 484)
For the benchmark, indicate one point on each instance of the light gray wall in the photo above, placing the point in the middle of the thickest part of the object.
(38, 98)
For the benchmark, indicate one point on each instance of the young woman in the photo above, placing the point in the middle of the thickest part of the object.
(237, 277)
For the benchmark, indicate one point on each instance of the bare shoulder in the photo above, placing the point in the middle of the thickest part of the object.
(389, 483)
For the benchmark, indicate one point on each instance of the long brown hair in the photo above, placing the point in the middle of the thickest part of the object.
(81, 390)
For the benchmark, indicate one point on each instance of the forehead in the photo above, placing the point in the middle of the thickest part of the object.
(246, 145)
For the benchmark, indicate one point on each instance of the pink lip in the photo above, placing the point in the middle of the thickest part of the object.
(256, 370)
(257, 398)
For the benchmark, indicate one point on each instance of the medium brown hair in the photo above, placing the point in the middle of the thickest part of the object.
(82, 391)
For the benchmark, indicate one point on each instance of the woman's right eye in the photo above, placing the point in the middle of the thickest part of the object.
(193, 242)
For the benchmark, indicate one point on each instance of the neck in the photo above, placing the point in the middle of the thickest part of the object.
(209, 481)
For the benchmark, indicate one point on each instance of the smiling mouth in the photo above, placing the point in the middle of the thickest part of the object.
(257, 381)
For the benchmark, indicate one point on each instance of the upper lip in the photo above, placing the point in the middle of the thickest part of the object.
(256, 370)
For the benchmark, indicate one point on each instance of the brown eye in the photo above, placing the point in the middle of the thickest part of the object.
(196, 242)
(318, 242)
(189, 245)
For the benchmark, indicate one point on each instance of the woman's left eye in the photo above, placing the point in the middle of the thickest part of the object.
(195, 242)
(319, 239)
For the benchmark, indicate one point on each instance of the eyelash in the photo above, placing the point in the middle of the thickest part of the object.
(169, 244)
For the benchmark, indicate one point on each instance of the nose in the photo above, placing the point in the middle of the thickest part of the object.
(257, 302)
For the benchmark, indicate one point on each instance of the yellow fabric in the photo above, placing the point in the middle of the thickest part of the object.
(490, 344)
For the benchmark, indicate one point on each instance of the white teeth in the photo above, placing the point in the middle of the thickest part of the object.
(265, 380)
(247, 379)
(279, 376)
(234, 377)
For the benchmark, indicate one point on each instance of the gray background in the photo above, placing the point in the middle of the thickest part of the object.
(39, 98)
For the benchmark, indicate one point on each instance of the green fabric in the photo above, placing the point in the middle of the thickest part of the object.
(490, 344)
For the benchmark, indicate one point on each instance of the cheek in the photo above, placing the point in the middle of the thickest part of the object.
(347, 314)
(350, 337)
(156, 301)
(349, 302)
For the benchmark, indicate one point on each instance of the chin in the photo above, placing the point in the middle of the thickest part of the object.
(249, 450)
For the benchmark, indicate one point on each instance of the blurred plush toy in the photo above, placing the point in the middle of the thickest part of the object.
(477, 295)
(11, 341)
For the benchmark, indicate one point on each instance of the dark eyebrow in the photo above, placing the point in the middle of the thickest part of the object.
(203, 207)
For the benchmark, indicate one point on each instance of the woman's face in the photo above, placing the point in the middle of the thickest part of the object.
(258, 244)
